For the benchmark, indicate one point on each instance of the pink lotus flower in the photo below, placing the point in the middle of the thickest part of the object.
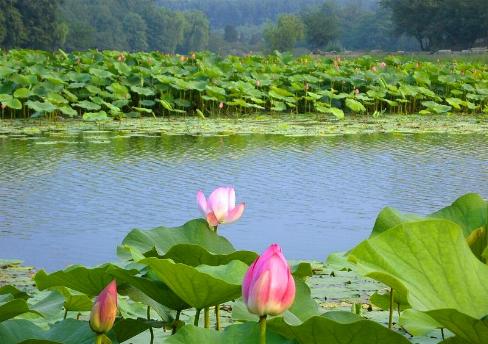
(104, 310)
(220, 207)
(383, 65)
(268, 287)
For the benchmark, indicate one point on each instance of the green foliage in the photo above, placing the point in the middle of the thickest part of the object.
(446, 24)
(98, 86)
(285, 34)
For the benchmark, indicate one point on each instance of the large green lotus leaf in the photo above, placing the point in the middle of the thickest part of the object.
(389, 218)
(195, 255)
(336, 328)
(74, 301)
(466, 328)
(418, 323)
(88, 281)
(16, 293)
(469, 211)
(234, 334)
(13, 308)
(195, 232)
(50, 306)
(156, 290)
(431, 260)
(201, 286)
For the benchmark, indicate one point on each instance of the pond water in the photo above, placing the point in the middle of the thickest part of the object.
(72, 200)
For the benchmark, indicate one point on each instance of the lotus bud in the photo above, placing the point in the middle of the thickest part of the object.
(3, 106)
(306, 86)
(383, 65)
(268, 287)
(258, 83)
(104, 310)
(121, 58)
(220, 207)
(193, 56)
(356, 91)
(374, 69)
(221, 105)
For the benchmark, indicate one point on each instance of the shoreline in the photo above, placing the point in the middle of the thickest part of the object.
(284, 124)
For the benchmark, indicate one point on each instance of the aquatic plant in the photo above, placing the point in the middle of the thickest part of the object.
(433, 266)
(97, 86)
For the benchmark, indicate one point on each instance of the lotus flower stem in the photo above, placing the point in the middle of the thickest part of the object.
(197, 317)
(177, 318)
(99, 339)
(262, 329)
(151, 331)
(217, 317)
(206, 317)
(390, 317)
(65, 314)
(442, 334)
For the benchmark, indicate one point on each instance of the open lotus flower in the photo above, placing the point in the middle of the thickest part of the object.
(220, 207)
(268, 287)
(104, 310)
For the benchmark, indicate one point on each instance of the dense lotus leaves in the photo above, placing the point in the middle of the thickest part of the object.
(242, 84)
(162, 239)
(431, 264)
(92, 281)
(247, 333)
(336, 328)
(201, 286)
(68, 331)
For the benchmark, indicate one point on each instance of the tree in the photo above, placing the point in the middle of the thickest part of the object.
(230, 34)
(321, 25)
(196, 32)
(135, 28)
(440, 24)
(284, 35)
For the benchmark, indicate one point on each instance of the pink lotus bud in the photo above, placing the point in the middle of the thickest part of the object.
(383, 65)
(220, 207)
(221, 105)
(3, 106)
(268, 287)
(356, 91)
(104, 310)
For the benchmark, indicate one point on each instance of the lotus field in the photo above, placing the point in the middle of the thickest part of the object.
(97, 86)
(433, 269)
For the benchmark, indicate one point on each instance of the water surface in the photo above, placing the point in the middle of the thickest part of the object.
(72, 200)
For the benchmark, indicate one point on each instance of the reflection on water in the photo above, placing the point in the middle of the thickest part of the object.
(73, 201)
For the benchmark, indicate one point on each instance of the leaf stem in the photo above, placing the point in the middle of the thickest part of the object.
(262, 329)
(65, 314)
(197, 317)
(390, 317)
(177, 318)
(206, 317)
(217, 317)
(151, 331)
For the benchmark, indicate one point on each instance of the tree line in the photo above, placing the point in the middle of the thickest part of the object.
(241, 26)
(130, 25)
